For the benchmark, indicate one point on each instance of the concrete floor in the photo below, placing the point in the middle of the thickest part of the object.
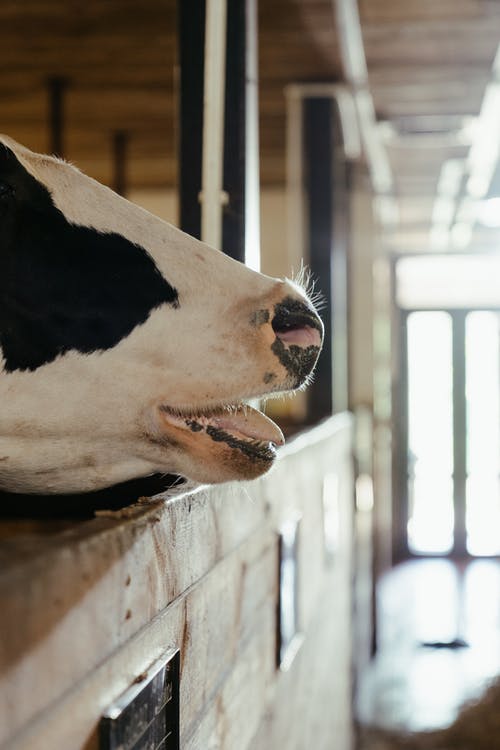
(415, 687)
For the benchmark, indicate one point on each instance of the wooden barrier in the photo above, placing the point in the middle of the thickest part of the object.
(87, 609)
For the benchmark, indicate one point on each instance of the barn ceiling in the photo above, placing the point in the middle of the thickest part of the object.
(429, 64)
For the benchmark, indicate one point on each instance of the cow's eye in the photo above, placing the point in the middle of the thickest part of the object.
(6, 190)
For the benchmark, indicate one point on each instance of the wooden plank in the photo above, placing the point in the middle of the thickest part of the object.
(376, 11)
(233, 716)
(124, 589)
(124, 572)
(211, 639)
(318, 684)
(300, 491)
(433, 45)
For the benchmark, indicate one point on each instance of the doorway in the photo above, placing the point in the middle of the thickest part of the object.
(451, 461)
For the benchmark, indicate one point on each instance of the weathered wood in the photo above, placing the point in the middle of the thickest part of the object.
(417, 10)
(318, 684)
(88, 609)
(124, 571)
(211, 624)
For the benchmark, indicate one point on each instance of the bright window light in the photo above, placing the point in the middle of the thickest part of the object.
(430, 432)
(483, 432)
(488, 212)
(448, 281)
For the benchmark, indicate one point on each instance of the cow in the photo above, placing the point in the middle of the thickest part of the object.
(127, 347)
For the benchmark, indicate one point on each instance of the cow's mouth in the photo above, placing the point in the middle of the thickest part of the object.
(239, 426)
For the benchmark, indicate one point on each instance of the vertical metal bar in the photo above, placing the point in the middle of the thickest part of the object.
(401, 469)
(234, 224)
(241, 222)
(318, 177)
(459, 433)
(191, 19)
(339, 285)
(120, 143)
(56, 88)
(213, 122)
(296, 243)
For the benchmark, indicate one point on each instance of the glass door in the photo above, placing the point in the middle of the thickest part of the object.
(453, 432)
(430, 432)
(482, 350)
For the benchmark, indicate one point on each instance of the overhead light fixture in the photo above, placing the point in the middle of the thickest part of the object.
(482, 160)
(355, 70)
(488, 212)
(443, 212)
(351, 42)
(450, 177)
(484, 151)
(387, 210)
(461, 235)
(380, 168)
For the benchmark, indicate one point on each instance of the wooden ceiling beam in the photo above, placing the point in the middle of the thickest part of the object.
(395, 11)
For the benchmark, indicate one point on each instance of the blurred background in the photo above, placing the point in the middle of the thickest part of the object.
(368, 151)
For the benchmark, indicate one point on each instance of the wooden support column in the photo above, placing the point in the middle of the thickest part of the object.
(325, 178)
(56, 89)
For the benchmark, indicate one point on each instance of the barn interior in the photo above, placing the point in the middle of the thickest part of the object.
(360, 579)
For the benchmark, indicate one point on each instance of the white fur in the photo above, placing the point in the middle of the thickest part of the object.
(83, 422)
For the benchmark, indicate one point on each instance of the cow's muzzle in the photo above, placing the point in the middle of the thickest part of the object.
(299, 336)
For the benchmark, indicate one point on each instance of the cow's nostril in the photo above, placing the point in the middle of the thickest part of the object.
(295, 323)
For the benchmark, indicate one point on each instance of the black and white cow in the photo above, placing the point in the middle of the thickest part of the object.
(127, 347)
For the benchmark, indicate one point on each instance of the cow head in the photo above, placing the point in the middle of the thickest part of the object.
(126, 346)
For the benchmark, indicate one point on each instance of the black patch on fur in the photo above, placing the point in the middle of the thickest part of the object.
(194, 426)
(65, 287)
(298, 362)
(259, 318)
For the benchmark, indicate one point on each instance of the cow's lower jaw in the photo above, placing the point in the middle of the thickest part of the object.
(231, 442)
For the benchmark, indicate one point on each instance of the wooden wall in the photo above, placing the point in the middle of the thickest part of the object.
(88, 609)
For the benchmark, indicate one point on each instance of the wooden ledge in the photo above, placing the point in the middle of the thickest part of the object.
(73, 597)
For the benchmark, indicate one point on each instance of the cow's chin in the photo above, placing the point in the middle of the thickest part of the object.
(221, 444)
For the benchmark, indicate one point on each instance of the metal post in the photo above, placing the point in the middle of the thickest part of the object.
(192, 65)
(296, 241)
(322, 137)
(213, 122)
(241, 221)
(318, 161)
(201, 109)
(252, 175)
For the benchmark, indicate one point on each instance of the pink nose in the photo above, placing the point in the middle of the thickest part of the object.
(302, 336)
(297, 324)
